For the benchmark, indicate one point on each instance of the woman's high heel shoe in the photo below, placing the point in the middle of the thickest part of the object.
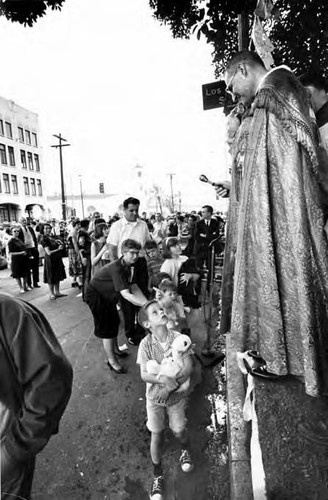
(121, 370)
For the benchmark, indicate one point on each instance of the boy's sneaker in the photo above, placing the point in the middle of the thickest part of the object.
(156, 492)
(186, 462)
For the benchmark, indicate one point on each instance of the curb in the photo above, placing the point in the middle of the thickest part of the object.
(238, 429)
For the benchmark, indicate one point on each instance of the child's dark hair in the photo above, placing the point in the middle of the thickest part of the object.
(143, 312)
(169, 242)
(99, 230)
(167, 284)
(150, 244)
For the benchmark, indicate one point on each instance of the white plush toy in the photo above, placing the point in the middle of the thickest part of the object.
(172, 366)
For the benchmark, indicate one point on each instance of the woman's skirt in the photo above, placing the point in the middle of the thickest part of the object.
(105, 314)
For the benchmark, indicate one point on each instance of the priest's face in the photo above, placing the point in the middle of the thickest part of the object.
(241, 83)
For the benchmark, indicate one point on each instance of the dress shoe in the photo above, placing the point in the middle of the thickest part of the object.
(121, 370)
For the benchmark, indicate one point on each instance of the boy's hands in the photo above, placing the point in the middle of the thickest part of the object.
(170, 385)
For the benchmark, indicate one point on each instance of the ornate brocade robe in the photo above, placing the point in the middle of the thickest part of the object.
(275, 283)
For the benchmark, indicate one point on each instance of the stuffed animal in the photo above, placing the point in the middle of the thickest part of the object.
(171, 302)
(173, 365)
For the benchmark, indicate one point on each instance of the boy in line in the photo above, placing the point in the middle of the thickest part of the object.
(154, 264)
(161, 398)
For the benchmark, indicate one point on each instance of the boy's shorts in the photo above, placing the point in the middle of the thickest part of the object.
(176, 414)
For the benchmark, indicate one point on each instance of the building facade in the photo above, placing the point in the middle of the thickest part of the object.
(21, 170)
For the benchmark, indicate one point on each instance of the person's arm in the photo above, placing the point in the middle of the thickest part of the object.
(113, 251)
(113, 240)
(135, 296)
(95, 258)
(43, 374)
(170, 383)
(23, 252)
(50, 252)
(223, 189)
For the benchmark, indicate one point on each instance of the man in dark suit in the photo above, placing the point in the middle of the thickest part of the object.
(207, 230)
(28, 237)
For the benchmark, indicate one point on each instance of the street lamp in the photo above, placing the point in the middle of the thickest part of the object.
(81, 194)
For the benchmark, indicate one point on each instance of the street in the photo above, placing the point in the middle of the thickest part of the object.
(102, 448)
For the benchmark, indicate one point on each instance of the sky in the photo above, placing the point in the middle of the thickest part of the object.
(123, 92)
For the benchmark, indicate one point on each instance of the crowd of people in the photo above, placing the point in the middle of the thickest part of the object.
(28, 244)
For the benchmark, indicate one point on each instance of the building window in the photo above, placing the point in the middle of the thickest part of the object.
(1, 128)
(23, 158)
(11, 154)
(39, 185)
(37, 163)
(34, 139)
(3, 155)
(6, 184)
(30, 161)
(33, 190)
(20, 134)
(28, 136)
(26, 185)
(9, 131)
(14, 184)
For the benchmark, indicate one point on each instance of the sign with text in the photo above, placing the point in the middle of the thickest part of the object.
(214, 95)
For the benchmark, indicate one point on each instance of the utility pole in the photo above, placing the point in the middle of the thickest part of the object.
(60, 146)
(81, 194)
(172, 196)
(243, 29)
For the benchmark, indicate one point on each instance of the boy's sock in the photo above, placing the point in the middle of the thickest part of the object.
(158, 471)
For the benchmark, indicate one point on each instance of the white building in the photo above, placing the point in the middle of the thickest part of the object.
(21, 169)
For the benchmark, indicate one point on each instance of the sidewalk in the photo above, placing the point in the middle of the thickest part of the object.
(294, 468)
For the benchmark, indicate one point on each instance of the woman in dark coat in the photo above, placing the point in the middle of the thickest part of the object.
(19, 260)
(54, 270)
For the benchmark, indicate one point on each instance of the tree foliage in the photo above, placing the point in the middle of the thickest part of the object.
(298, 29)
(27, 12)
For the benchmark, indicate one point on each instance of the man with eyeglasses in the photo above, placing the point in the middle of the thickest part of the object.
(275, 283)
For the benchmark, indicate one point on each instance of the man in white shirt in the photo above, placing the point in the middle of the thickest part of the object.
(130, 226)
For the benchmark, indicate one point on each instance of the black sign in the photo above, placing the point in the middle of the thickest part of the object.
(214, 95)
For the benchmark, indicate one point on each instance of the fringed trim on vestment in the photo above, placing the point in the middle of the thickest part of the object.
(298, 128)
